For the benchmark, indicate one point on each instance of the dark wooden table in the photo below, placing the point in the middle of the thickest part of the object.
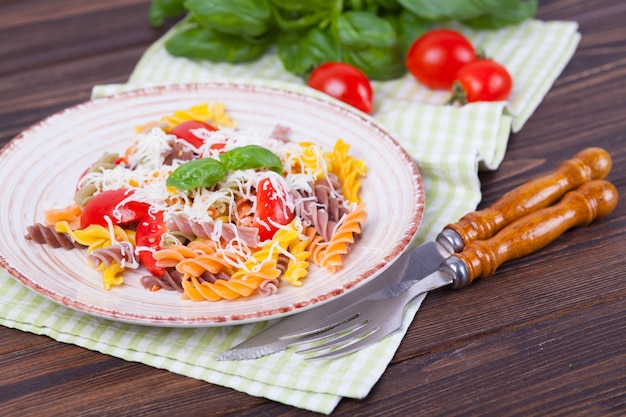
(546, 336)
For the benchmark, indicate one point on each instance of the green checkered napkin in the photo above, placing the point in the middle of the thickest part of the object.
(449, 144)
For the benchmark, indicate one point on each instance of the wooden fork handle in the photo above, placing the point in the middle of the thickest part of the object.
(593, 200)
(589, 164)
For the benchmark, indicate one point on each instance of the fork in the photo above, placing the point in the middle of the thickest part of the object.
(360, 326)
(381, 315)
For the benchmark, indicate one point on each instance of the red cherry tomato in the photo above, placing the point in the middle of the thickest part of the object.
(483, 80)
(193, 131)
(273, 205)
(107, 203)
(148, 239)
(343, 82)
(435, 57)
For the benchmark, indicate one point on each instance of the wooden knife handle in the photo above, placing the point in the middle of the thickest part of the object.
(593, 200)
(589, 164)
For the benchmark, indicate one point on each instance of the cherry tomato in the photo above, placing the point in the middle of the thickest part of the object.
(107, 203)
(193, 131)
(273, 205)
(344, 82)
(482, 80)
(436, 56)
(148, 238)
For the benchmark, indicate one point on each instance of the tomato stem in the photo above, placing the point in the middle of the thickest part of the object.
(459, 96)
(481, 54)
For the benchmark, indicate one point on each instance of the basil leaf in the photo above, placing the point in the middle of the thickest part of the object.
(251, 156)
(509, 12)
(409, 27)
(247, 19)
(361, 30)
(204, 172)
(369, 6)
(388, 5)
(448, 9)
(301, 15)
(378, 63)
(299, 7)
(479, 14)
(203, 43)
(300, 53)
(162, 9)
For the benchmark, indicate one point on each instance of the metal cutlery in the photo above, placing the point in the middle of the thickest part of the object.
(378, 317)
(420, 262)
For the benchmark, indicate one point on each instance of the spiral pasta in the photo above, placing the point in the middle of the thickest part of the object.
(297, 266)
(232, 288)
(70, 214)
(342, 238)
(348, 170)
(218, 215)
(205, 112)
(96, 238)
(45, 234)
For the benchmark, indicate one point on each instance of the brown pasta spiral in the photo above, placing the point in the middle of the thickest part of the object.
(229, 231)
(47, 235)
(119, 252)
(322, 208)
(170, 281)
(179, 152)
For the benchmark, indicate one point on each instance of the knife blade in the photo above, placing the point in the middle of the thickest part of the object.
(591, 163)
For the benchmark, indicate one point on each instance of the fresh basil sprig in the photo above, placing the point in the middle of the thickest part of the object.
(203, 172)
(206, 172)
(372, 35)
(251, 156)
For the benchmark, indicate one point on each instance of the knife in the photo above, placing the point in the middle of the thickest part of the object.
(591, 163)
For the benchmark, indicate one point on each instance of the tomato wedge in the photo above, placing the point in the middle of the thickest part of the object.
(274, 205)
(108, 204)
(148, 239)
(193, 131)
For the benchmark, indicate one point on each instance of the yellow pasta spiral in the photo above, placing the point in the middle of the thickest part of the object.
(205, 112)
(95, 236)
(312, 160)
(297, 268)
(348, 170)
(111, 274)
(280, 243)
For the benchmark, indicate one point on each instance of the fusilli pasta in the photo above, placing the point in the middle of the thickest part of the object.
(218, 215)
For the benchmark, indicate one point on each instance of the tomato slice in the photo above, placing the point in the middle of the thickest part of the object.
(193, 131)
(148, 239)
(274, 205)
(108, 204)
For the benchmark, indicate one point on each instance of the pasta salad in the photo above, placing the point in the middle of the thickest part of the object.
(212, 211)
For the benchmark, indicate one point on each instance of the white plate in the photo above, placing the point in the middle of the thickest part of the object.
(39, 169)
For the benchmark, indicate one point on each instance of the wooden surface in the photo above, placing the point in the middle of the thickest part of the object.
(545, 336)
